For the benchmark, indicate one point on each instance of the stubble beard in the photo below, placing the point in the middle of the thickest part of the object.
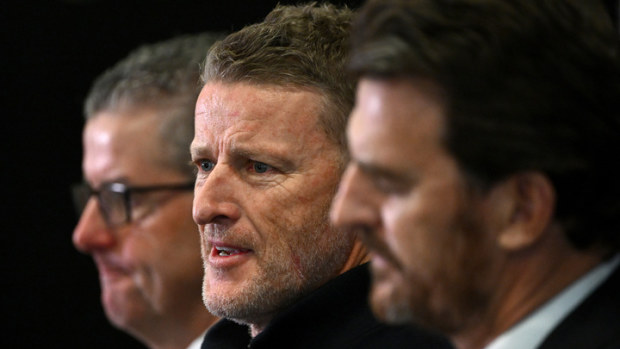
(285, 275)
(456, 296)
(390, 305)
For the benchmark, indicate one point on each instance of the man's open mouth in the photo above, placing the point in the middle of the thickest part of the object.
(224, 251)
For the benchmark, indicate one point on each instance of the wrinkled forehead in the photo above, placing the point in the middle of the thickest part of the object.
(242, 107)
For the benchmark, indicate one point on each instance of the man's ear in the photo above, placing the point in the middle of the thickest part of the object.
(527, 202)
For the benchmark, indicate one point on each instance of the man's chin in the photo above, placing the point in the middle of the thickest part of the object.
(397, 300)
(117, 312)
(123, 303)
(388, 303)
(389, 300)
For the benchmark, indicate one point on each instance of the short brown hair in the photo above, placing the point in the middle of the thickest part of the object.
(303, 46)
(527, 85)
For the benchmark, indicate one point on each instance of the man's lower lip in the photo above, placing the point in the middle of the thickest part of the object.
(219, 260)
(381, 263)
(377, 260)
(110, 274)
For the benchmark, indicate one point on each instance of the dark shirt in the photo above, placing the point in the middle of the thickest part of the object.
(336, 315)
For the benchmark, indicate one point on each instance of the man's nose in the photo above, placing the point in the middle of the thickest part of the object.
(352, 206)
(216, 196)
(91, 233)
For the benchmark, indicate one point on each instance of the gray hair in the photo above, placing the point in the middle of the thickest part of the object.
(164, 76)
(303, 46)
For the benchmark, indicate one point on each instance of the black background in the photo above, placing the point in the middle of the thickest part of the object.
(51, 52)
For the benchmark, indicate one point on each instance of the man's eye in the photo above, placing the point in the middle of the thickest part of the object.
(206, 165)
(260, 167)
(391, 186)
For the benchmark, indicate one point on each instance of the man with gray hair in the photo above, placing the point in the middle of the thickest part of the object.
(136, 197)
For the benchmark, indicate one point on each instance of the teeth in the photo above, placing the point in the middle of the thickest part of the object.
(226, 251)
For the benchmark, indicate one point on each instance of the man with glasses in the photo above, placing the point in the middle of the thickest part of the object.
(136, 199)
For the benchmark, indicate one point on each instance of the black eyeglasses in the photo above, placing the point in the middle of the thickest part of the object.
(115, 199)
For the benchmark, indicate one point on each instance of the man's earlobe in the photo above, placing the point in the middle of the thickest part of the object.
(532, 202)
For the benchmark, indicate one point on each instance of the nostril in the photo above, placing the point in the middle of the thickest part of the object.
(220, 220)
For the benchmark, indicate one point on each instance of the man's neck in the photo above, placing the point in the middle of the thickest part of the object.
(358, 256)
(528, 280)
(177, 334)
(533, 330)
(258, 326)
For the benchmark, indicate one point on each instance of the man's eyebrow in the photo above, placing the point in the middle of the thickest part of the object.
(269, 155)
(199, 150)
(377, 171)
(121, 179)
(276, 158)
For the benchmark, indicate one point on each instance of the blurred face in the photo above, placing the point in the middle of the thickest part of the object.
(150, 269)
(266, 177)
(404, 193)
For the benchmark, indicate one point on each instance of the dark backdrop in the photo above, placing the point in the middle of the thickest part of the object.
(51, 52)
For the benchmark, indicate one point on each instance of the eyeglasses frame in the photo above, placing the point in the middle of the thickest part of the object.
(126, 191)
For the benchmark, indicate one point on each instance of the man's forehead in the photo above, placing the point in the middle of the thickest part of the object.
(239, 96)
(280, 144)
(122, 145)
(394, 121)
(228, 109)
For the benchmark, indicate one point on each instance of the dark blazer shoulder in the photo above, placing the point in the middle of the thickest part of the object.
(595, 323)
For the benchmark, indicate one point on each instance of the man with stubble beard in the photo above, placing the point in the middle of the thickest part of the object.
(269, 151)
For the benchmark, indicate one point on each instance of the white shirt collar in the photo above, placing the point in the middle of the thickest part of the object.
(531, 331)
(197, 343)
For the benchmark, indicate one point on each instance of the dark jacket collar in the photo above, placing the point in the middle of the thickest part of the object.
(324, 311)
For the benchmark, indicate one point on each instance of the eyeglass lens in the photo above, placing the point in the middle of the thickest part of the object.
(111, 203)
